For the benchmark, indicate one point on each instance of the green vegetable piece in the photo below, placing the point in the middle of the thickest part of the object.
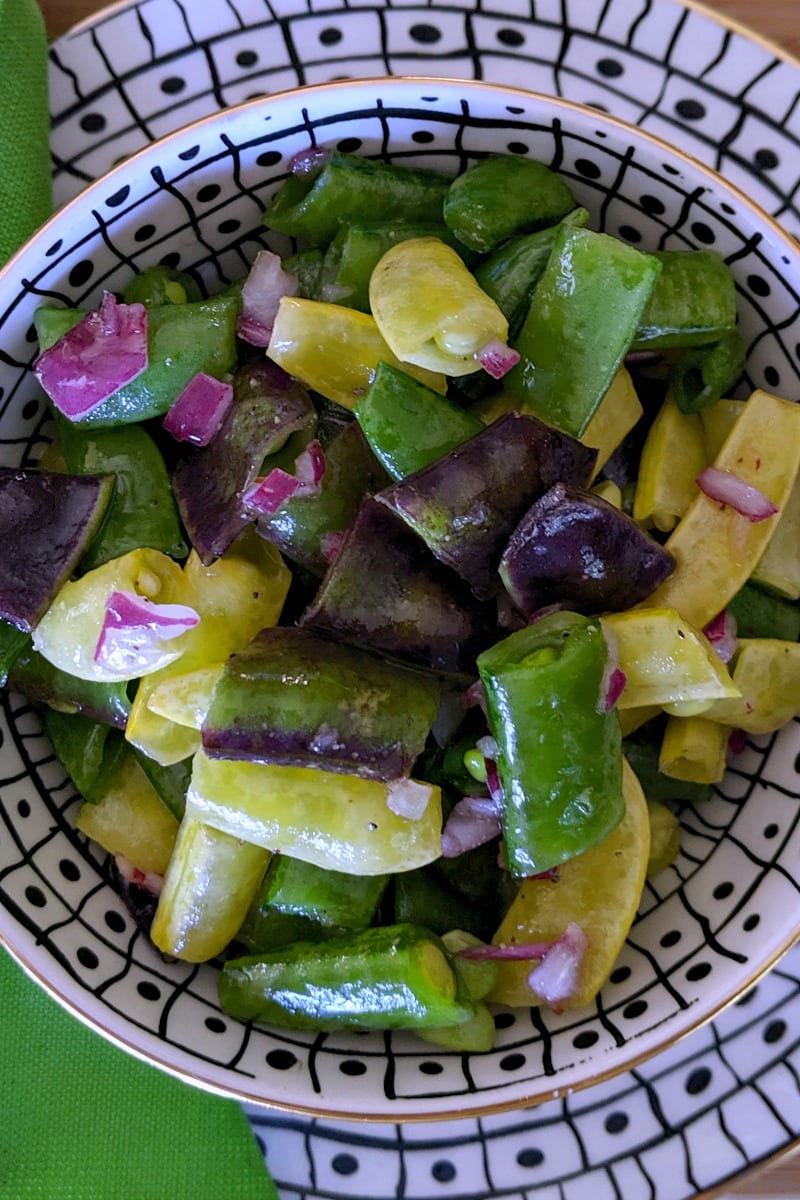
(407, 424)
(504, 195)
(559, 754)
(704, 374)
(693, 301)
(420, 899)
(88, 752)
(39, 679)
(350, 190)
(171, 782)
(296, 698)
(307, 266)
(762, 614)
(643, 757)
(392, 977)
(355, 252)
(300, 901)
(478, 975)
(182, 339)
(511, 273)
(161, 285)
(473, 1036)
(13, 643)
(142, 510)
(581, 321)
(665, 837)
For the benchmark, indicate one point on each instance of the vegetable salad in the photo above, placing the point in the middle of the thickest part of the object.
(385, 607)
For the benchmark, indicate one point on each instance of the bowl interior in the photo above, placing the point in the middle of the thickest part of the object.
(707, 927)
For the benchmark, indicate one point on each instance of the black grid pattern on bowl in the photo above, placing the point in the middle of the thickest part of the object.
(121, 972)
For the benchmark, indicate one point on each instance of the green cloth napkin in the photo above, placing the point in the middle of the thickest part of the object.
(82, 1120)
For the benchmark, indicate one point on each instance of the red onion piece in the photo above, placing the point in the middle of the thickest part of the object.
(475, 696)
(134, 627)
(612, 684)
(269, 493)
(493, 781)
(309, 160)
(557, 975)
(331, 544)
(473, 821)
(309, 466)
(104, 351)
(487, 746)
(545, 611)
(143, 879)
(737, 742)
(506, 952)
(728, 488)
(263, 288)
(721, 632)
(198, 412)
(406, 798)
(497, 358)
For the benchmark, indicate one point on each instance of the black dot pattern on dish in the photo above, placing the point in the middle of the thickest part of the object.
(620, 974)
(585, 1039)
(530, 1157)
(344, 1164)
(81, 273)
(118, 197)
(758, 285)
(512, 1062)
(246, 58)
(766, 159)
(690, 110)
(443, 1171)
(510, 37)
(115, 921)
(215, 1025)
(698, 971)
(629, 233)
(635, 1009)
(208, 192)
(173, 85)
(775, 1031)
(148, 991)
(93, 122)
(670, 938)
(652, 205)
(698, 1080)
(422, 137)
(353, 1067)
(751, 922)
(611, 68)
(504, 1020)
(616, 1122)
(425, 34)
(87, 958)
(330, 36)
(144, 233)
(771, 831)
(517, 148)
(35, 896)
(772, 376)
(23, 809)
(587, 168)
(431, 1068)
(29, 410)
(723, 890)
(281, 1060)
(703, 233)
(70, 870)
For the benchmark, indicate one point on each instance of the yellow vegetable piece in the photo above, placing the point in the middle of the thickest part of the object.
(767, 673)
(665, 837)
(184, 699)
(716, 549)
(674, 454)
(694, 749)
(335, 350)
(430, 309)
(718, 420)
(619, 411)
(779, 566)
(68, 633)
(631, 719)
(599, 890)
(610, 491)
(131, 820)
(338, 821)
(210, 884)
(665, 660)
(237, 596)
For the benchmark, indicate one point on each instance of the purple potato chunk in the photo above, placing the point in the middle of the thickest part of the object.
(47, 521)
(210, 484)
(466, 504)
(385, 590)
(575, 549)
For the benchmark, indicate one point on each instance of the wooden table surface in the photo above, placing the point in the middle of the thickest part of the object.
(776, 20)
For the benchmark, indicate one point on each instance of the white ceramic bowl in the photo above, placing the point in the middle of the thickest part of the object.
(707, 927)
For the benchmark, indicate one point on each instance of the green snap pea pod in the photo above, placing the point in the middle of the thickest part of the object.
(13, 643)
(301, 526)
(355, 252)
(161, 285)
(391, 977)
(761, 614)
(39, 679)
(420, 899)
(307, 266)
(704, 374)
(142, 510)
(296, 698)
(477, 1033)
(583, 315)
(182, 339)
(559, 753)
(512, 271)
(171, 782)
(350, 190)
(407, 424)
(693, 301)
(88, 752)
(503, 195)
(301, 901)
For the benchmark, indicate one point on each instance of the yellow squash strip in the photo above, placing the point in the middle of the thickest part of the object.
(665, 660)
(185, 699)
(131, 820)
(335, 350)
(674, 454)
(718, 420)
(694, 749)
(338, 821)
(767, 673)
(779, 566)
(616, 416)
(598, 890)
(716, 549)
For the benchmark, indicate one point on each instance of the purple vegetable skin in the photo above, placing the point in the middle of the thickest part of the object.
(575, 549)
(47, 521)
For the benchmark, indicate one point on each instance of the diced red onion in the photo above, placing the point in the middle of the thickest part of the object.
(493, 781)
(331, 544)
(635, 357)
(497, 358)
(557, 975)
(133, 628)
(198, 412)
(551, 875)
(545, 611)
(309, 466)
(265, 285)
(269, 493)
(406, 798)
(508, 952)
(475, 696)
(106, 350)
(721, 632)
(737, 741)
(309, 160)
(488, 747)
(472, 822)
(727, 488)
(144, 879)
(612, 684)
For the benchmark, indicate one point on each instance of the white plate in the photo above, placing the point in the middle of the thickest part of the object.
(727, 1096)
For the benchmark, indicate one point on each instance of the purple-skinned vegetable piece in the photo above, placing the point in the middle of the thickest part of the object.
(47, 521)
(574, 548)
(466, 504)
(210, 483)
(385, 590)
